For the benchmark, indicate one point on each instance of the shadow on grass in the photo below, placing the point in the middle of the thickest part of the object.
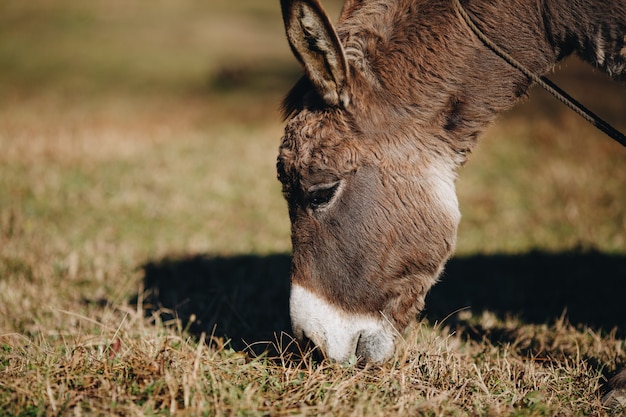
(245, 298)
(537, 287)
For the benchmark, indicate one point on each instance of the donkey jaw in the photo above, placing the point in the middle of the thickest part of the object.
(338, 334)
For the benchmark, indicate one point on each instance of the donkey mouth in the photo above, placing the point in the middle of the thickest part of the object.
(338, 334)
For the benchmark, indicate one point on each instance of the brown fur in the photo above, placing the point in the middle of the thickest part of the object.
(419, 88)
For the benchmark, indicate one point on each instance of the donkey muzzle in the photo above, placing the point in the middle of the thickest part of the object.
(340, 335)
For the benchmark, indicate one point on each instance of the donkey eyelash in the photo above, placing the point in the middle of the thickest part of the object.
(320, 195)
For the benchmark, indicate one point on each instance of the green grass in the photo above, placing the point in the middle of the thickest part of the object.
(144, 242)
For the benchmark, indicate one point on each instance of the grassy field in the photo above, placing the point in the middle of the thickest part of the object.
(144, 242)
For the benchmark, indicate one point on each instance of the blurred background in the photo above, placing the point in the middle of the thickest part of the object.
(150, 118)
(137, 150)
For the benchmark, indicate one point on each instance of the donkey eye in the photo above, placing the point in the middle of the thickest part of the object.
(321, 195)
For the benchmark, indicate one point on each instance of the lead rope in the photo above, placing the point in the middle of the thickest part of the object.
(544, 82)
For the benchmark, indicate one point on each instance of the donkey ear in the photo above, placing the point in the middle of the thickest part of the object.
(316, 45)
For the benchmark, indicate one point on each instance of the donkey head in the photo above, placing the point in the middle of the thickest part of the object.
(372, 207)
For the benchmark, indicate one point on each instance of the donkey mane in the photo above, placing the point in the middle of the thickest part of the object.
(294, 99)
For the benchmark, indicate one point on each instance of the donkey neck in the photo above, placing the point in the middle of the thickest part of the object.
(594, 30)
(424, 69)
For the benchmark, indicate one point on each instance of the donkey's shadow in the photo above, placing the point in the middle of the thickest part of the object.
(588, 287)
(244, 298)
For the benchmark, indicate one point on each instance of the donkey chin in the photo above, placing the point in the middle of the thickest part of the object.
(340, 335)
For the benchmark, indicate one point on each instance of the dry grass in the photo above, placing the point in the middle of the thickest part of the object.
(117, 362)
(144, 242)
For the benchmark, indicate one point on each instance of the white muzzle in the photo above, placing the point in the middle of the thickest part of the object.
(340, 335)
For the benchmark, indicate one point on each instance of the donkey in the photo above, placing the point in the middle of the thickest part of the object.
(391, 104)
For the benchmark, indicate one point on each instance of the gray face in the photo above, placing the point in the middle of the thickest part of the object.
(371, 230)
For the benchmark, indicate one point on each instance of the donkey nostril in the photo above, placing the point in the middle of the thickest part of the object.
(375, 347)
(362, 348)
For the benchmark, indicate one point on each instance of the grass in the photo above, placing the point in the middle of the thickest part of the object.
(144, 243)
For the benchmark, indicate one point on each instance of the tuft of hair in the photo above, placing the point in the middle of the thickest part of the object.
(295, 98)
